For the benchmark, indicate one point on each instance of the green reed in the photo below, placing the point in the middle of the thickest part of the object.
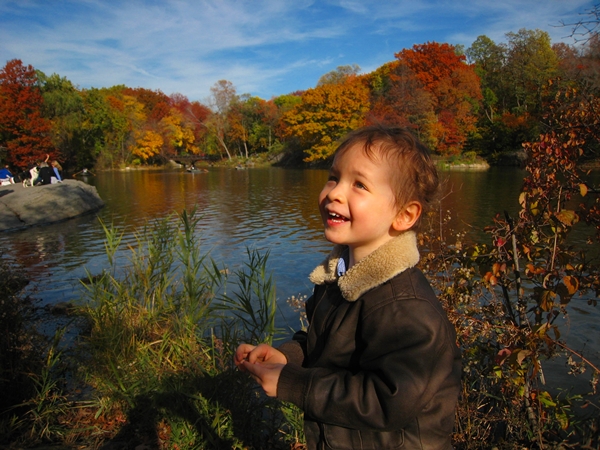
(164, 323)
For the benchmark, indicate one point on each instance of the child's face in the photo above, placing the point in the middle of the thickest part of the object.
(357, 204)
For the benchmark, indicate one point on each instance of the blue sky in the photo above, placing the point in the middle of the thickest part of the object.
(264, 47)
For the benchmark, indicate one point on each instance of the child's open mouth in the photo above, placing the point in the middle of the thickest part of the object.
(336, 218)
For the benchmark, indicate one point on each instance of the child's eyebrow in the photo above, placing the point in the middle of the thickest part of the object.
(361, 174)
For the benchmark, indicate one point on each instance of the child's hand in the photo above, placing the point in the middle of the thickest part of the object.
(263, 362)
(262, 353)
(267, 375)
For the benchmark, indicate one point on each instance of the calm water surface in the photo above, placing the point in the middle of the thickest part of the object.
(264, 209)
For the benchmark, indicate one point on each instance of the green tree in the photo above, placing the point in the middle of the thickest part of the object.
(515, 82)
(488, 58)
(64, 107)
(96, 127)
(530, 63)
(111, 119)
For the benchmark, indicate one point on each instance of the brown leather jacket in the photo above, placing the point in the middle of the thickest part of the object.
(379, 367)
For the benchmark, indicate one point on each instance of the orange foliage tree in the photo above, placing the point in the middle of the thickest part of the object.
(24, 132)
(454, 90)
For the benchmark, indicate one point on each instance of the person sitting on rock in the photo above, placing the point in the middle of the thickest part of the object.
(6, 177)
(45, 174)
(57, 169)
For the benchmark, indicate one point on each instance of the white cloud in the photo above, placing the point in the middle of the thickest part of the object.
(265, 47)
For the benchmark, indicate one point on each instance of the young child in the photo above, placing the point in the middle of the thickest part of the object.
(379, 367)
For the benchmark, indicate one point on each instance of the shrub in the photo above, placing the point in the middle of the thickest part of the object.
(509, 299)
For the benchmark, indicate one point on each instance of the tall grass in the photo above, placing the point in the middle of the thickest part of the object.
(163, 328)
(31, 400)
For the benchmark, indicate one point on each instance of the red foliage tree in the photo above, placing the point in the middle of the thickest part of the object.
(156, 103)
(195, 113)
(24, 132)
(454, 88)
(400, 99)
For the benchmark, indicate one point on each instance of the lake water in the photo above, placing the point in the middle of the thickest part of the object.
(265, 209)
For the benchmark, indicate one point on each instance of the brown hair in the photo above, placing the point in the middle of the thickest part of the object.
(414, 175)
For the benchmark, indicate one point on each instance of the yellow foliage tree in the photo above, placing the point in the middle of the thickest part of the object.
(148, 144)
(326, 114)
(178, 135)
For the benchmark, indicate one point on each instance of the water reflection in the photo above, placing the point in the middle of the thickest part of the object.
(472, 199)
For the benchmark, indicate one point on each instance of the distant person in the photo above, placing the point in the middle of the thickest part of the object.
(45, 174)
(6, 176)
(83, 172)
(57, 168)
(378, 367)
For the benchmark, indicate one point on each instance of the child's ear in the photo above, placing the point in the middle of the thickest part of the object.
(407, 216)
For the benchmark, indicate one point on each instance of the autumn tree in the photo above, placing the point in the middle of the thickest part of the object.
(398, 98)
(24, 131)
(113, 121)
(252, 122)
(326, 113)
(63, 105)
(514, 78)
(223, 95)
(580, 65)
(178, 134)
(267, 114)
(156, 103)
(197, 114)
(454, 89)
(530, 63)
(339, 75)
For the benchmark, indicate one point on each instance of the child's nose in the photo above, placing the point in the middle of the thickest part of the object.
(336, 193)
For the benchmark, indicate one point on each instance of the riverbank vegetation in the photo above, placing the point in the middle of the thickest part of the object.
(485, 100)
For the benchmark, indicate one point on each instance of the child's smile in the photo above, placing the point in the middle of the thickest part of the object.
(335, 219)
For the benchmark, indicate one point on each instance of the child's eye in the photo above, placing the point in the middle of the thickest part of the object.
(332, 178)
(359, 185)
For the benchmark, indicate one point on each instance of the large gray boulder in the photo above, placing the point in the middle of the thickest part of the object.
(23, 207)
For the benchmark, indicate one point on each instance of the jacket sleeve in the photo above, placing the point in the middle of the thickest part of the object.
(406, 358)
(295, 350)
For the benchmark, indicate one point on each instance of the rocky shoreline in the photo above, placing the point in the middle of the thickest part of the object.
(22, 207)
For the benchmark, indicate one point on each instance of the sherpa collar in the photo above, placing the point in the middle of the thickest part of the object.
(392, 258)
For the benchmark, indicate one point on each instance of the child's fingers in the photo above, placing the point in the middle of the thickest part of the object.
(241, 354)
(258, 353)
